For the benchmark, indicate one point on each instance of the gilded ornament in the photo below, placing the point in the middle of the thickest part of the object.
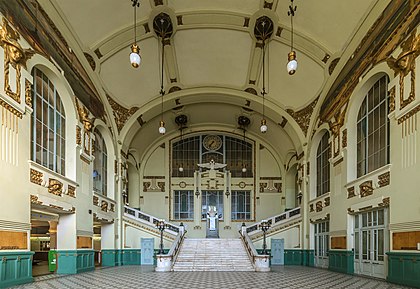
(95, 201)
(14, 55)
(112, 207)
(10, 108)
(366, 189)
(327, 201)
(384, 179)
(161, 185)
(35, 200)
(311, 208)
(28, 93)
(350, 192)
(121, 114)
(104, 206)
(404, 64)
(84, 117)
(392, 99)
(55, 187)
(409, 114)
(318, 206)
(344, 138)
(36, 177)
(303, 116)
(78, 135)
(71, 191)
(385, 202)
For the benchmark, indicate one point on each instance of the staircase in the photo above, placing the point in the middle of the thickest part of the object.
(213, 255)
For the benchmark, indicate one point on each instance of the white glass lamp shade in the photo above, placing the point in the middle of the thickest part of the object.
(180, 169)
(135, 58)
(244, 169)
(292, 63)
(263, 126)
(162, 129)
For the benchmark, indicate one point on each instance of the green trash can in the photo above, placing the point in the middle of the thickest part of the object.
(52, 260)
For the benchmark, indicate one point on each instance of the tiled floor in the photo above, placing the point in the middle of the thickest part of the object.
(144, 277)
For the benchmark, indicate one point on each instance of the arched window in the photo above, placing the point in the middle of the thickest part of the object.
(323, 166)
(373, 129)
(48, 125)
(100, 170)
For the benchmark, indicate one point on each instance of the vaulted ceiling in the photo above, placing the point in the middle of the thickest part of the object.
(213, 58)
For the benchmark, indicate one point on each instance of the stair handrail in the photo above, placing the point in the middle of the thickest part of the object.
(149, 219)
(165, 262)
(275, 220)
(261, 262)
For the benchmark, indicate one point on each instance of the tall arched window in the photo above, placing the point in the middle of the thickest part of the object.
(100, 169)
(48, 125)
(323, 166)
(373, 129)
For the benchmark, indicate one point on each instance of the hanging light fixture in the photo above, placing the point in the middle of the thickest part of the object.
(181, 121)
(291, 57)
(263, 30)
(163, 28)
(135, 57)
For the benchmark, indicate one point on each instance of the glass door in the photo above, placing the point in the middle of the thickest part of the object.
(322, 235)
(370, 243)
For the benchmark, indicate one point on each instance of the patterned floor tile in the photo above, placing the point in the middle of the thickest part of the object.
(291, 277)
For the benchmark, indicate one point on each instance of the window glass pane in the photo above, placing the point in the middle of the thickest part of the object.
(46, 127)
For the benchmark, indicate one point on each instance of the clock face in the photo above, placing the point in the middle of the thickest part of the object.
(212, 142)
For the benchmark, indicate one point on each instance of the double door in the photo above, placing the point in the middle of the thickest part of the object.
(370, 243)
(322, 235)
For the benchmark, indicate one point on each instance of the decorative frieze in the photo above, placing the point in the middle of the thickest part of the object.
(366, 189)
(15, 57)
(384, 179)
(151, 184)
(104, 206)
(318, 206)
(55, 187)
(350, 193)
(271, 185)
(71, 191)
(303, 116)
(95, 201)
(36, 177)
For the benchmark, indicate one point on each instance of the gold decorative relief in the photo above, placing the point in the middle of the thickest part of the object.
(36, 177)
(327, 201)
(344, 138)
(10, 108)
(14, 56)
(71, 191)
(121, 114)
(384, 179)
(95, 201)
(409, 114)
(104, 206)
(303, 116)
(392, 99)
(311, 208)
(35, 200)
(84, 117)
(112, 207)
(385, 202)
(404, 64)
(318, 206)
(28, 93)
(55, 187)
(78, 135)
(350, 192)
(366, 189)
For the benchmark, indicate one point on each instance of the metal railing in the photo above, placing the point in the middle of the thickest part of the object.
(149, 220)
(275, 220)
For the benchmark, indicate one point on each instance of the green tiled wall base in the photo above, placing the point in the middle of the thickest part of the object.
(15, 268)
(404, 268)
(117, 257)
(341, 261)
(299, 257)
(109, 257)
(296, 257)
(75, 261)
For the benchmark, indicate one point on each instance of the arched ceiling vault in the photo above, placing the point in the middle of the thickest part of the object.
(212, 58)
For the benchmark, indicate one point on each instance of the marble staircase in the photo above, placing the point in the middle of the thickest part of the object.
(213, 255)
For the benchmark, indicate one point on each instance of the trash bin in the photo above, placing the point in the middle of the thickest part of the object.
(52, 260)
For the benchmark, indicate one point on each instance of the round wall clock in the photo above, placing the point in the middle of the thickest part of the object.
(212, 142)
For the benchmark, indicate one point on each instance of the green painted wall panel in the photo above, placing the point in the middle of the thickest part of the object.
(108, 257)
(15, 268)
(404, 268)
(75, 261)
(341, 261)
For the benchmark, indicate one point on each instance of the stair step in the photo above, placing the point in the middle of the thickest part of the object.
(213, 255)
